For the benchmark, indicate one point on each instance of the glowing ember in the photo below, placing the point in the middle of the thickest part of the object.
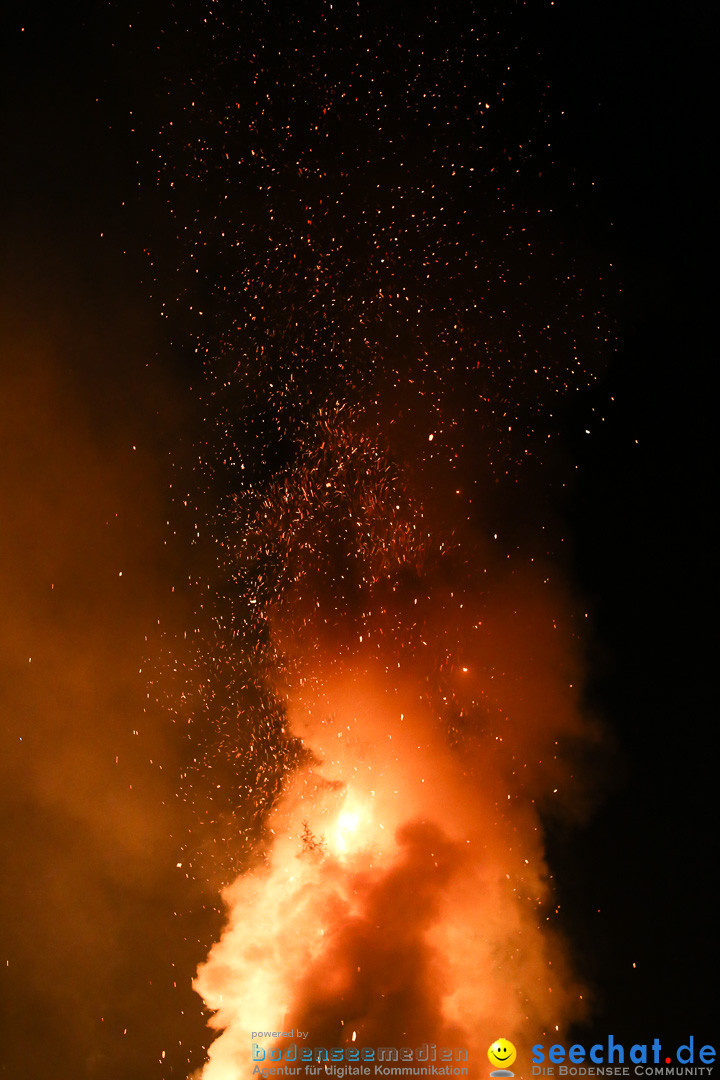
(391, 679)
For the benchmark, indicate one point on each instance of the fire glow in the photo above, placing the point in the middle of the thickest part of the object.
(392, 689)
(403, 894)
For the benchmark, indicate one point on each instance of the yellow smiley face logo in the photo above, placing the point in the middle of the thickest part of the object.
(502, 1053)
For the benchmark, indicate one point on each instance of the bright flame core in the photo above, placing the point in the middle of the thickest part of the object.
(348, 831)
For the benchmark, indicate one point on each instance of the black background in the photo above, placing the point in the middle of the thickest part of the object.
(636, 884)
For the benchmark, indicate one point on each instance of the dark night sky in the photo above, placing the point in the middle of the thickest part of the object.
(88, 922)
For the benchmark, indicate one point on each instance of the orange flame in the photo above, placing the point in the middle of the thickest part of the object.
(403, 897)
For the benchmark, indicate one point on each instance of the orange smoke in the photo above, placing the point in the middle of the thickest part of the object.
(404, 895)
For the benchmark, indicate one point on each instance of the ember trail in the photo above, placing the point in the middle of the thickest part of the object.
(387, 674)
